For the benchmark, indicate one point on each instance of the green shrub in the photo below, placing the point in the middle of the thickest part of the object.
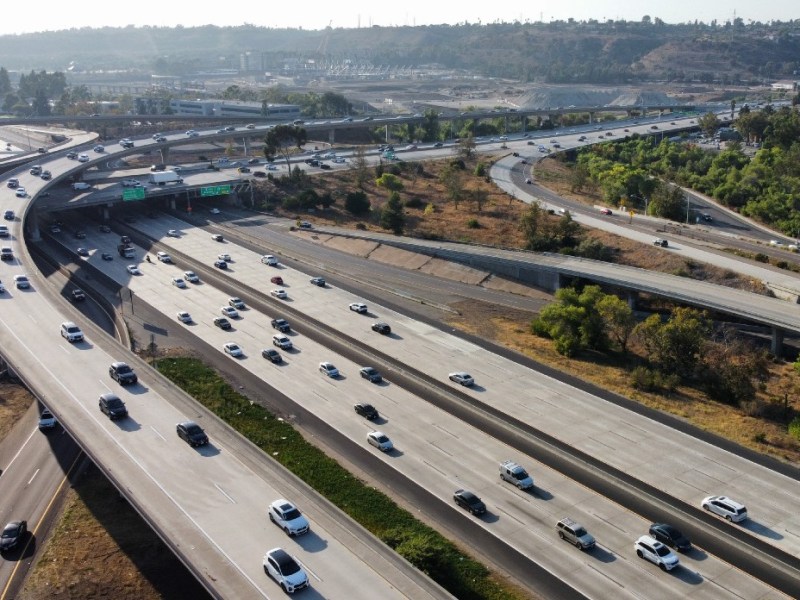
(480, 170)
(762, 258)
(794, 428)
(413, 203)
(430, 209)
(473, 224)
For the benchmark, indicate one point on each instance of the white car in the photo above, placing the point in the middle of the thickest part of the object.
(83, 158)
(329, 370)
(725, 507)
(229, 311)
(21, 282)
(236, 303)
(131, 183)
(279, 293)
(184, 317)
(380, 440)
(285, 570)
(462, 378)
(269, 260)
(225, 257)
(21, 192)
(47, 420)
(133, 270)
(214, 211)
(358, 307)
(233, 349)
(281, 341)
(286, 516)
(163, 257)
(80, 185)
(2, 288)
(178, 282)
(656, 552)
(191, 277)
(173, 233)
(192, 133)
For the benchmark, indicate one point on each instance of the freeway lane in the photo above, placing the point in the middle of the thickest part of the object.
(252, 333)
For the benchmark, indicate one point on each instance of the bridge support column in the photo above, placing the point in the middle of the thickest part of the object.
(591, 118)
(776, 347)
(172, 203)
(632, 297)
(105, 212)
(164, 155)
(331, 136)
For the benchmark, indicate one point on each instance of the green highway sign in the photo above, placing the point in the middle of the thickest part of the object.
(133, 194)
(215, 190)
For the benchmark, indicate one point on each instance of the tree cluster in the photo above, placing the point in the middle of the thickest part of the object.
(681, 348)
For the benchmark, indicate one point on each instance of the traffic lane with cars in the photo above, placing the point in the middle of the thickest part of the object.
(592, 422)
(251, 328)
(35, 467)
(189, 504)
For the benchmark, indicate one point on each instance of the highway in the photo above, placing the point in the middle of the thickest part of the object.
(427, 337)
(414, 346)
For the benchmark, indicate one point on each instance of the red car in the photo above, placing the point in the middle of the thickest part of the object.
(277, 280)
(606, 211)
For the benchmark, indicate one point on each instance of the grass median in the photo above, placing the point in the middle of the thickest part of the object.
(423, 546)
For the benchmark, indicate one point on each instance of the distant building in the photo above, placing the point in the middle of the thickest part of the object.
(232, 108)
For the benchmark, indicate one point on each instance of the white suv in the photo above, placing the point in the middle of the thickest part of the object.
(725, 507)
(656, 552)
(71, 332)
(286, 516)
(285, 570)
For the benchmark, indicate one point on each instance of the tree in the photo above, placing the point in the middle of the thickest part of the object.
(358, 162)
(573, 321)
(709, 123)
(667, 201)
(5, 81)
(466, 147)
(283, 140)
(674, 345)
(357, 203)
(392, 215)
(452, 178)
(40, 107)
(731, 368)
(618, 319)
(390, 182)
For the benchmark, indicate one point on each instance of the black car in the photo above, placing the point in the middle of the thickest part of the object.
(371, 374)
(324, 166)
(253, 161)
(366, 410)
(72, 155)
(113, 406)
(281, 325)
(272, 355)
(667, 534)
(222, 323)
(12, 534)
(382, 328)
(80, 234)
(107, 256)
(319, 281)
(469, 501)
(78, 295)
(191, 433)
(221, 264)
(122, 373)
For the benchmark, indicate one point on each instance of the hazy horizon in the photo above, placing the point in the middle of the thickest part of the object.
(317, 14)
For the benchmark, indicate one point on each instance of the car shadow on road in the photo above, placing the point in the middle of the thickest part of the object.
(687, 575)
(601, 554)
(696, 554)
(128, 424)
(477, 388)
(540, 493)
(311, 542)
(489, 517)
(394, 336)
(208, 450)
(137, 388)
(759, 529)
(395, 453)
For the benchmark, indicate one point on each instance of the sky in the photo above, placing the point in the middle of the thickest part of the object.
(51, 15)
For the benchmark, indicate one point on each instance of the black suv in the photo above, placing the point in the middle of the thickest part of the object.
(272, 355)
(113, 406)
(191, 433)
(469, 501)
(281, 325)
(122, 373)
(222, 323)
(382, 328)
(366, 410)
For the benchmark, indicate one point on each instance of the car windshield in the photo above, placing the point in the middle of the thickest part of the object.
(287, 565)
(194, 430)
(114, 403)
(73, 329)
(520, 474)
(662, 550)
(123, 369)
(291, 514)
(369, 371)
(580, 532)
(382, 439)
(10, 531)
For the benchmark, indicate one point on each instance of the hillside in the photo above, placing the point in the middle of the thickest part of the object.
(561, 52)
